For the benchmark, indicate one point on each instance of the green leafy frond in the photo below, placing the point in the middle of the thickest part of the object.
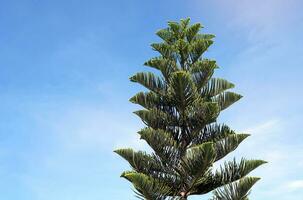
(140, 161)
(166, 50)
(183, 89)
(192, 31)
(202, 70)
(166, 66)
(233, 171)
(205, 36)
(166, 35)
(147, 100)
(182, 53)
(216, 86)
(229, 144)
(148, 188)
(198, 159)
(150, 81)
(212, 133)
(226, 99)
(236, 191)
(162, 143)
(228, 173)
(174, 27)
(155, 118)
(201, 114)
(198, 47)
(184, 23)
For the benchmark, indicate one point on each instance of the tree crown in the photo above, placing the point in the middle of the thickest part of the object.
(180, 110)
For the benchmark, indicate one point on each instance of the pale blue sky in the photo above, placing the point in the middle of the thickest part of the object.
(64, 90)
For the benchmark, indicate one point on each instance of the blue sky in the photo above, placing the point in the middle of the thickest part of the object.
(64, 90)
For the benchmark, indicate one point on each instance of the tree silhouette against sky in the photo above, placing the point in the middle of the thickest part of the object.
(180, 110)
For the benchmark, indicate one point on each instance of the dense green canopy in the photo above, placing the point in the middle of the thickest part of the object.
(180, 108)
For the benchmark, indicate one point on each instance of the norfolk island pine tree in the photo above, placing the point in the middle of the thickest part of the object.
(180, 111)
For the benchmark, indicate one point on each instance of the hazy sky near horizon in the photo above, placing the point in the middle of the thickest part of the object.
(64, 90)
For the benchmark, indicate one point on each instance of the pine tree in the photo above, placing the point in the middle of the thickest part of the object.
(180, 110)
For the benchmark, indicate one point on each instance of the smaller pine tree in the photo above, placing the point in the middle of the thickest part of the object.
(180, 111)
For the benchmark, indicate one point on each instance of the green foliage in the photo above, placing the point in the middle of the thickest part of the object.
(238, 190)
(180, 110)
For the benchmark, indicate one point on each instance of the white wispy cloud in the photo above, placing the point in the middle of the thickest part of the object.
(84, 126)
(295, 185)
(261, 17)
(268, 126)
